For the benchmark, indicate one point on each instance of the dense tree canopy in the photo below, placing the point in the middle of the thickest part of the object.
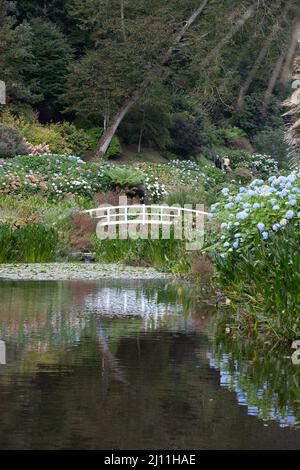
(102, 57)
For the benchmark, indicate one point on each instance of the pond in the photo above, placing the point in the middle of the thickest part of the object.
(135, 365)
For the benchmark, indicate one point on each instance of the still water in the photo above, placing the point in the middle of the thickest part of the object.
(135, 365)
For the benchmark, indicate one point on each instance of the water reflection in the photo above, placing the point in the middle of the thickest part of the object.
(264, 379)
(123, 365)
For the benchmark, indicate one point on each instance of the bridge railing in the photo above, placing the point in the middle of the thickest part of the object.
(140, 214)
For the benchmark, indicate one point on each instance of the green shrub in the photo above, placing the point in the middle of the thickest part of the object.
(185, 135)
(37, 134)
(78, 140)
(183, 195)
(124, 177)
(11, 142)
(232, 133)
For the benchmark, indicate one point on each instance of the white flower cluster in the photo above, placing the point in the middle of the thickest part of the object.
(258, 163)
(155, 190)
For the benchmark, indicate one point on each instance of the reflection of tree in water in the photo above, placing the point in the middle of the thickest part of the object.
(264, 379)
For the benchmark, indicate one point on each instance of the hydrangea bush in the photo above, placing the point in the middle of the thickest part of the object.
(259, 164)
(257, 252)
(190, 173)
(257, 212)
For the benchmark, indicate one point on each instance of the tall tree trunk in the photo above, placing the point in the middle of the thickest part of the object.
(273, 80)
(262, 54)
(236, 27)
(107, 136)
(248, 45)
(255, 68)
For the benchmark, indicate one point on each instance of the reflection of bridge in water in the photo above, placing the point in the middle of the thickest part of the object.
(113, 301)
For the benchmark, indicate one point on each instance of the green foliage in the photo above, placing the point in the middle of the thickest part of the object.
(253, 119)
(62, 138)
(16, 56)
(166, 255)
(232, 132)
(52, 54)
(31, 243)
(272, 141)
(78, 141)
(149, 122)
(36, 133)
(11, 142)
(257, 163)
(184, 195)
(185, 136)
(124, 177)
(35, 243)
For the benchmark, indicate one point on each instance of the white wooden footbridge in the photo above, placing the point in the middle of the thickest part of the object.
(144, 214)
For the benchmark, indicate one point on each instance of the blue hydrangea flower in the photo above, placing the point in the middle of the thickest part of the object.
(290, 214)
(242, 215)
(265, 235)
(260, 226)
(276, 227)
(225, 191)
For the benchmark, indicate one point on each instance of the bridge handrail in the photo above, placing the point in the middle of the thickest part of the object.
(144, 206)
